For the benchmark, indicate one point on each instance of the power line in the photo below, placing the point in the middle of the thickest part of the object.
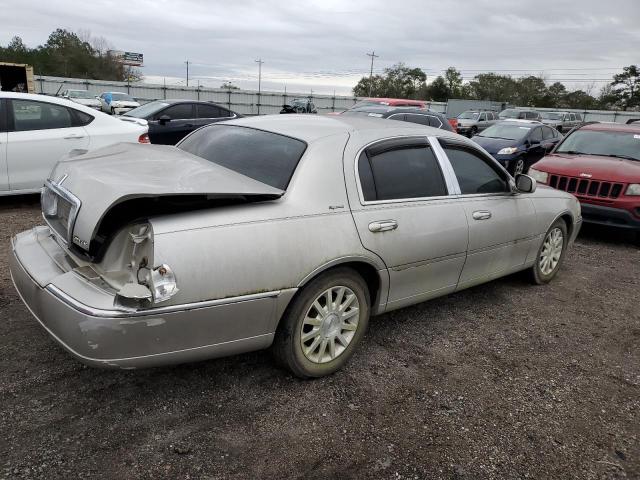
(372, 55)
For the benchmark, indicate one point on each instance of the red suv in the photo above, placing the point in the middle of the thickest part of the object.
(600, 164)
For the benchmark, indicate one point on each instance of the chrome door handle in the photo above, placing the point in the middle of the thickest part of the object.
(482, 215)
(383, 226)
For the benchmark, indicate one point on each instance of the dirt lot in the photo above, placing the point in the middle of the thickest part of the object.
(505, 380)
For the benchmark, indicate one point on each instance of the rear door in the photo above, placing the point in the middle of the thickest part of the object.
(4, 172)
(501, 224)
(40, 134)
(211, 114)
(405, 215)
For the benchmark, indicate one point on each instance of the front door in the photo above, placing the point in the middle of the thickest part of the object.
(501, 223)
(405, 215)
(41, 133)
(172, 124)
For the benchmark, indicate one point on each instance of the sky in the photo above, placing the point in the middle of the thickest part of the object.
(322, 45)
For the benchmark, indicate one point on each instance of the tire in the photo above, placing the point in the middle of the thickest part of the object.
(539, 273)
(297, 333)
(113, 111)
(519, 165)
(559, 128)
(473, 131)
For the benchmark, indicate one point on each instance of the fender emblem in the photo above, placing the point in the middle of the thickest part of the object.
(586, 175)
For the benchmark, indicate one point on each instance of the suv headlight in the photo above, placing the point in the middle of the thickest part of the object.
(538, 176)
(633, 189)
(508, 151)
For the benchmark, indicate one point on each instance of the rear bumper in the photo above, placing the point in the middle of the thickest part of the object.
(610, 217)
(153, 337)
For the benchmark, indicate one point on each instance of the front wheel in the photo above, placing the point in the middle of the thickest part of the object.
(324, 324)
(113, 111)
(518, 166)
(551, 253)
(473, 132)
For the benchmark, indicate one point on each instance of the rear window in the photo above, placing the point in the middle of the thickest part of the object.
(264, 156)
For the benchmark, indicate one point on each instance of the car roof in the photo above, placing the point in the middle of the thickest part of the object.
(394, 100)
(522, 121)
(612, 127)
(41, 98)
(313, 127)
(389, 109)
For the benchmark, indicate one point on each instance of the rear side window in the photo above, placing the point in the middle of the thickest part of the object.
(420, 119)
(212, 111)
(435, 122)
(536, 135)
(475, 175)
(264, 156)
(32, 115)
(405, 172)
(572, 116)
(578, 117)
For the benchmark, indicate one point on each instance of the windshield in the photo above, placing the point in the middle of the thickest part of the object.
(147, 110)
(509, 113)
(469, 115)
(551, 116)
(594, 142)
(122, 96)
(80, 94)
(264, 156)
(506, 131)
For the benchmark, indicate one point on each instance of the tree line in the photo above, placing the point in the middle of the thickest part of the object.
(401, 81)
(69, 54)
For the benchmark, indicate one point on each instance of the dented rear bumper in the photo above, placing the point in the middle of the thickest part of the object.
(101, 336)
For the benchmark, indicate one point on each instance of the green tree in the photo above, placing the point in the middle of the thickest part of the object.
(626, 87)
(229, 86)
(398, 81)
(438, 90)
(453, 79)
(491, 86)
(530, 91)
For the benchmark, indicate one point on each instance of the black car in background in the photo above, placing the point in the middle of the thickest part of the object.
(172, 120)
(518, 144)
(413, 115)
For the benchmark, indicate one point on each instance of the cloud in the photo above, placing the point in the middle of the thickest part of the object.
(321, 44)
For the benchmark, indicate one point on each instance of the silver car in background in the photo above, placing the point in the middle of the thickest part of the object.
(278, 231)
(561, 121)
(472, 122)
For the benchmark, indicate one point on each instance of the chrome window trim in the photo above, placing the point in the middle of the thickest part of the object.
(364, 202)
(59, 190)
(489, 158)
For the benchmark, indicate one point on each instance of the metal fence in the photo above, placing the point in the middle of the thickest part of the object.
(250, 102)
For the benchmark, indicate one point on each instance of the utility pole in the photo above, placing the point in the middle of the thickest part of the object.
(259, 62)
(372, 55)
(187, 62)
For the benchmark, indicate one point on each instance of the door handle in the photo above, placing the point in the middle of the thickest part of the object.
(383, 226)
(481, 215)
(73, 137)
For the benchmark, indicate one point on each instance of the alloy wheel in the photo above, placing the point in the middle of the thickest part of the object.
(518, 168)
(551, 251)
(330, 324)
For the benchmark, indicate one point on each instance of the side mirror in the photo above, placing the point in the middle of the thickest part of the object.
(164, 119)
(525, 184)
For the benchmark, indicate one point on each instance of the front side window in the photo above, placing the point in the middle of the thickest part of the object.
(483, 117)
(178, 112)
(578, 117)
(536, 135)
(573, 117)
(264, 156)
(475, 174)
(402, 172)
(31, 115)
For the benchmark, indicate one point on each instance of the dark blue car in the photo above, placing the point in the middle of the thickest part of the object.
(518, 144)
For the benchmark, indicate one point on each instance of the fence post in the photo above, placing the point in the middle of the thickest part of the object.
(615, 114)
(333, 102)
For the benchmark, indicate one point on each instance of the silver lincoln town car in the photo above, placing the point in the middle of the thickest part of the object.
(282, 231)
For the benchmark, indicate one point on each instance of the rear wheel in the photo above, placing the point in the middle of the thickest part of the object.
(113, 111)
(324, 324)
(551, 253)
(473, 131)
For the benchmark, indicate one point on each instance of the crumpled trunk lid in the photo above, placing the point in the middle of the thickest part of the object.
(110, 176)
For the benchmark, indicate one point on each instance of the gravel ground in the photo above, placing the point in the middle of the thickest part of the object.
(506, 380)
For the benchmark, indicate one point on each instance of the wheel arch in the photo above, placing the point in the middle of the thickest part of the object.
(373, 273)
(568, 219)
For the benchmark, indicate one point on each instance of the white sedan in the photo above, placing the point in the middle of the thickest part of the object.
(117, 103)
(36, 131)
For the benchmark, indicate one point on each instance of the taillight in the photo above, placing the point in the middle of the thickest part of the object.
(453, 122)
(144, 138)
